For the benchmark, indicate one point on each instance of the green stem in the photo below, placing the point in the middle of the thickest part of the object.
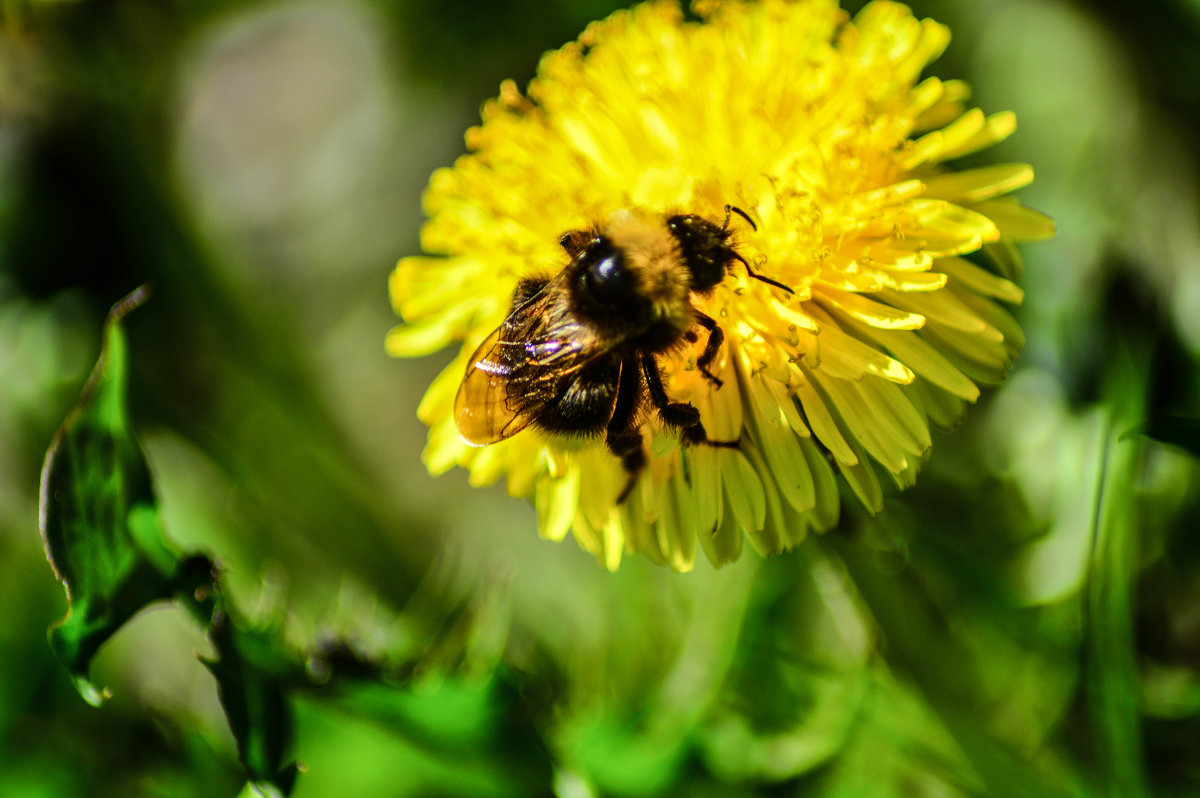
(920, 646)
(1112, 677)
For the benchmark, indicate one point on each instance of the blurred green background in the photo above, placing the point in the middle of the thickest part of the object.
(1026, 621)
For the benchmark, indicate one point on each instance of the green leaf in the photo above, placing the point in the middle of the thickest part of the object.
(471, 736)
(104, 537)
(1112, 667)
(1174, 430)
(252, 672)
(100, 520)
(623, 758)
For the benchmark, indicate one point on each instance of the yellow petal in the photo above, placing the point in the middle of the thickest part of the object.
(744, 495)
(768, 538)
(773, 436)
(997, 128)
(963, 272)
(705, 481)
(724, 545)
(861, 478)
(847, 357)
(933, 146)
(677, 528)
(822, 423)
(439, 399)
(612, 541)
(941, 307)
(940, 220)
(555, 501)
(921, 281)
(922, 358)
(874, 313)
(828, 506)
(979, 184)
(863, 422)
(1015, 221)
(444, 448)
(431, 334)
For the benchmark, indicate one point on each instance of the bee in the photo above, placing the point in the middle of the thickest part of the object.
(578, 353)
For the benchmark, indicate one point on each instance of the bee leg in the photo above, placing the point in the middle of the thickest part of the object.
(677, 414)
(629, 447)
(680, 415)
(696, 436)
(716, 336)
(622, 436)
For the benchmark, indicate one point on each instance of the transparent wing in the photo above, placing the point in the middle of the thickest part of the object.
(482, 411)
(523, 366)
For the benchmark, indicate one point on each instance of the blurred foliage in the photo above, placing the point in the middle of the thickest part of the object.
(1025, 621)
(102, 526)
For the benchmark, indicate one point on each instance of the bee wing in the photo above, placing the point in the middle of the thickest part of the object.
(481, 409)
(527, 362)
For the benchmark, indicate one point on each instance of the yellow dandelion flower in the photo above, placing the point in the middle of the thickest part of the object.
(818, 128)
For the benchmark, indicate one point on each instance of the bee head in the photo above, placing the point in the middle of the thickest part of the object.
(604, 285)
(702, 247)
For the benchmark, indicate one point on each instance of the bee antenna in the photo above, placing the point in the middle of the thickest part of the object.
(764, 278)
(734, 209)
(739, 212)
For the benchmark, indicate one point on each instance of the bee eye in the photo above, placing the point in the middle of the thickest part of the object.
(605, 276)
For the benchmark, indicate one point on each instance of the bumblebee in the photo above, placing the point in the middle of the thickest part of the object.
(578, 353)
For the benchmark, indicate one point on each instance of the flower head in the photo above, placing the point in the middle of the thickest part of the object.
(820, 129)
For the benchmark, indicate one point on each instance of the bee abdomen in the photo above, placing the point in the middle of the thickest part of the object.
(586, 405)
